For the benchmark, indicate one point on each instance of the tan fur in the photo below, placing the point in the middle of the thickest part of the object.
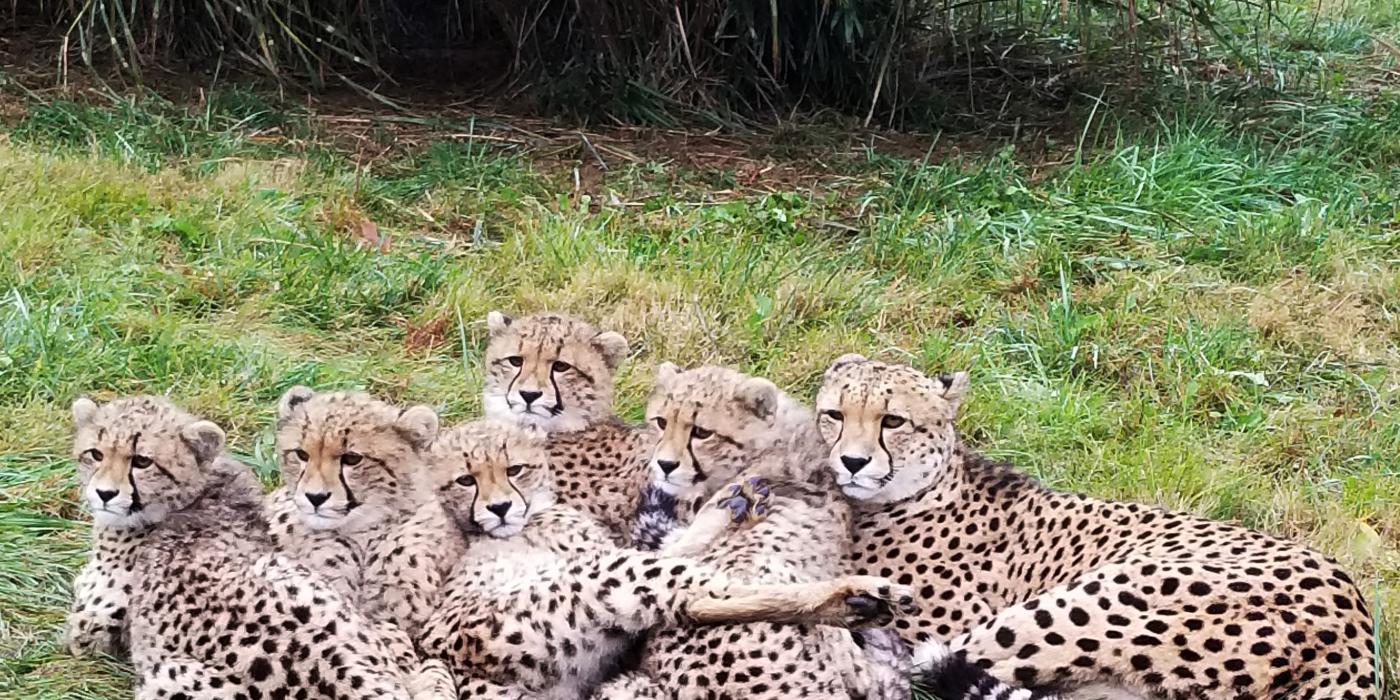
(550, 371)
(356, 507)
(1042, 587)
(189, 561)
(535, 610)
(599, 462)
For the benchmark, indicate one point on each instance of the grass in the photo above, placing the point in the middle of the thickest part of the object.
(1199, 308)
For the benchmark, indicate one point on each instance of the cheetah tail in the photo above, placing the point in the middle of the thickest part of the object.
(654, 520)
(950, 676)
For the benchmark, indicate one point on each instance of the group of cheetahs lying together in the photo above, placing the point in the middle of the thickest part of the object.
(736, 545)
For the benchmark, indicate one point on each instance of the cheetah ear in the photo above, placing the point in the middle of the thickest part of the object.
(497, 323)
(613, 346)
(759, 396)
(83, 411)
(665, 372)
(953, 387)
(849, 358)
(204, 438)
(292, 400)
(418, 425)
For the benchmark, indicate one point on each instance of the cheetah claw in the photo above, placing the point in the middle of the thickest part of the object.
(747, 502)
(877, 605)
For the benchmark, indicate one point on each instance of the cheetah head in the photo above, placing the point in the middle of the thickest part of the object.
(352, 459)
(710, 423)
(549, 371)
(491, 476)
(141, 458)
(889, 427)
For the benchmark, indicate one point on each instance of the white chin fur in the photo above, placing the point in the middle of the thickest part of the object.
(119, 520)
(503, 530)
(498, 407)
(317, 521)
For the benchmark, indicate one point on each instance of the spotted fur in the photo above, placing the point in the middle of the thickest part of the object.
(542, 604)
(356, 508)
(715, 426)
(1051, 589)
(189, 572)
(598, 461)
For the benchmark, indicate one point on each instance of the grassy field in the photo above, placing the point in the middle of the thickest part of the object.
(1196, 306)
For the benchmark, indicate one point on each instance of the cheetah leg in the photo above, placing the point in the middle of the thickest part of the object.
(427, 679)
(633, 686)
(875, 663)
(178, 677)
(97, 622)
(479, 689)
(842, 602)
(740, 504)
(1210, 635)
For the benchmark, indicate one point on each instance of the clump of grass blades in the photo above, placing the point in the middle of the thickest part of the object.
(635, 60)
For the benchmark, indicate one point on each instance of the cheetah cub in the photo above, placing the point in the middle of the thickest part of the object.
(183, 571)
(542, 605)
(356, 508)
(555, 374)
(1053, 589)
(713, 426)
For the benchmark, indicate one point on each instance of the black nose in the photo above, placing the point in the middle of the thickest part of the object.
(667, 466)
(854, 464)
(106, 495)
(500, 509)
(529, 396)
(316, 499)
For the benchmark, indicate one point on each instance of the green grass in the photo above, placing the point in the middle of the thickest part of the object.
(1200, 308)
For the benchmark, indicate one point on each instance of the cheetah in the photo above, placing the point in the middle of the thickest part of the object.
(184, 577)
(1048, 589)
(355, 507)
(714, 426)
(555, 373)
(542, 605)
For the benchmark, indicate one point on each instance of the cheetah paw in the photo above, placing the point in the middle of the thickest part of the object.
(747, 501)
(874, 602)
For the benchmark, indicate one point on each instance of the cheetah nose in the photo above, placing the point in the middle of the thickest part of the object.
(106, 495)
(316, 499)
(500, 509)
(667, 466)
(529, 397)
(854, 464)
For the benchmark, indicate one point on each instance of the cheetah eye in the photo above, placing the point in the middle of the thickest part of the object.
(515, 469)
(891, 422)
(350, 459)
(140, 462)
(660, 422)
(561, 367)
(301, 455)
(700, 433)
(95, 454)
(834, 415)
(515, 360)
(466, 480)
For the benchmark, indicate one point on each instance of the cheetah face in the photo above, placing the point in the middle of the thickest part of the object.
(549, 371)
(491, 476)
(140, 458)
(351, 459)
(707, 423)
(889, 427)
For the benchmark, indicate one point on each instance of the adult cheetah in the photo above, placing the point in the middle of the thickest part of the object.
(356, 508)
(1052, 589)
(183, 568)
(555, 373)
(713, 425)
(542, 605)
